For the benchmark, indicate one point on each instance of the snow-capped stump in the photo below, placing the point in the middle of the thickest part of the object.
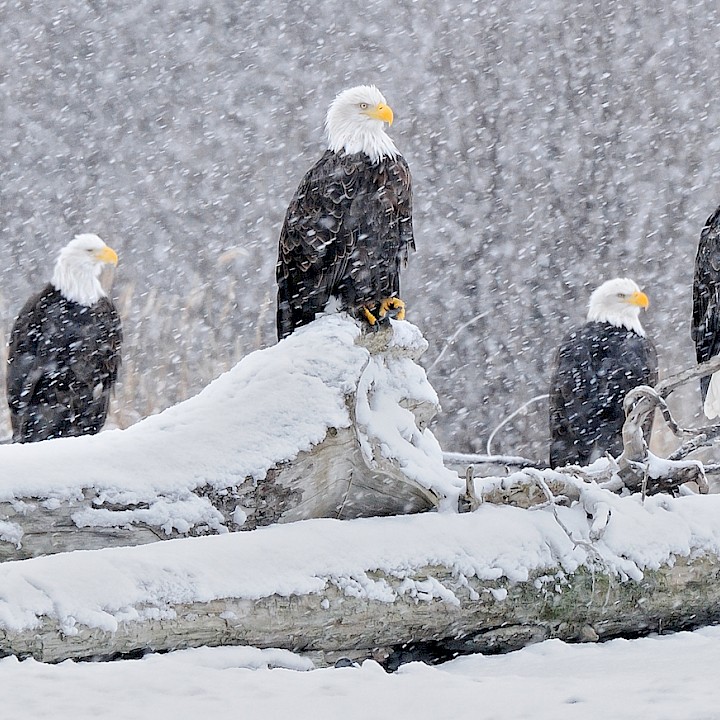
(328, 423)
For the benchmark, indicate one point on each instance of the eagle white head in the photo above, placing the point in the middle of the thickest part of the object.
(356, 121)
(618, 302)
(78, 267)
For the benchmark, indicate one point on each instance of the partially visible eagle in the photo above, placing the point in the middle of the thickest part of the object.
(64, 350)
(705, 327)
(348, 229)
(595, 367)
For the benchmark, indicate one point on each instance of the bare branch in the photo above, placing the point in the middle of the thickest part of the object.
(456, 458)
(637, 468)
(553, 503)
(670, 383)
(513, 414)
(696, 443)
(454, 337)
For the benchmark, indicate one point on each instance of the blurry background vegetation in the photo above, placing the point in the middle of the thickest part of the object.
(553, 145)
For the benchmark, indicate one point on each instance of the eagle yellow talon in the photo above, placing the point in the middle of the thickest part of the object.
(392, 303)
(390, 307)
(369, 316)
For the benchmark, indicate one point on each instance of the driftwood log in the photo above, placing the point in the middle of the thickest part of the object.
(592, 607)
(352, 475)
(429, 611)
(346, 474)
(195, 470)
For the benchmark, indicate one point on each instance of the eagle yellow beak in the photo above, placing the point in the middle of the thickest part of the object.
(640, 299)
(381, 112)
(107, 255)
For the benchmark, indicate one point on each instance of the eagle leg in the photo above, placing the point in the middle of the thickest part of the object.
(392, 307)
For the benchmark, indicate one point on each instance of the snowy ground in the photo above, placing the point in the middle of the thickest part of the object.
(668, 677)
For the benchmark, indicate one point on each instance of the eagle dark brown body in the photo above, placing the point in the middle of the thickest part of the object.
(705, 328)
(595, 367)
(347, 233)
(63, 359)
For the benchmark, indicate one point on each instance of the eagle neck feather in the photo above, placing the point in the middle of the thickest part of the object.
(628, 320)
(373, 142)
(78, 283)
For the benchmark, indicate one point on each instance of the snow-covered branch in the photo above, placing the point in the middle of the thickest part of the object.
(636, 470)
(642, 471)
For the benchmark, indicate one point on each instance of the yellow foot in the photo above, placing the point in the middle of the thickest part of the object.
(372, 320)
(388, 308)
(392, 307)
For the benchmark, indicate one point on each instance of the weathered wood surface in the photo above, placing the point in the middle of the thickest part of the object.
(332, 480)
(490, 617)
(95, 503)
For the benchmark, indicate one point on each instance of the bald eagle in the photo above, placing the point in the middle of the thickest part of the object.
(705, 327)
(64, 350)
(348, 229)
(595, 367)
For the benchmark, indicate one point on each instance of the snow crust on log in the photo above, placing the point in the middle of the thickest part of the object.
(325, 584)
(195, 467)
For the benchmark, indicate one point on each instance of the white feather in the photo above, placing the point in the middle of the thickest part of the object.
(711, 408)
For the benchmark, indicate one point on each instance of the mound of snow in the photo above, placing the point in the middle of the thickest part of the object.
(273, 405)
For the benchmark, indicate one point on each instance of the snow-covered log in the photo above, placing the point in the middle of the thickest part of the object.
(494, 579)
(331, 422)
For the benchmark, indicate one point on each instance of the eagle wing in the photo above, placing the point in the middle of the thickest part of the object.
(705, 327)
(27, 356)
(347, 232)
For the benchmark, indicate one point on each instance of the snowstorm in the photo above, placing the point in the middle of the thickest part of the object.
(552, 146)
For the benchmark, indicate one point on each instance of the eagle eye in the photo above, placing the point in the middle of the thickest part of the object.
(364, 106)
(622, 296)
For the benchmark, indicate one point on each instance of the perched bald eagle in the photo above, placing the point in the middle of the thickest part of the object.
(595, 367)
(64, 351)
(348, 229)
(705, 328)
